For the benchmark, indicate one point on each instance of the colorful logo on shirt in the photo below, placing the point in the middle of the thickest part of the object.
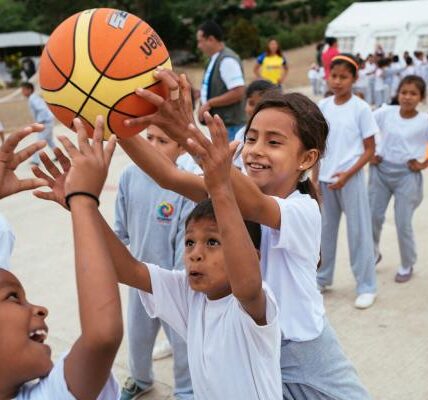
(165, 211)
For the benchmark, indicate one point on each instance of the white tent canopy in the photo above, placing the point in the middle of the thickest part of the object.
(22, 39)
(396, 25)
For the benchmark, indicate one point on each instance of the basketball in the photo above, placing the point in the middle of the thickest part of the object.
(92, 64)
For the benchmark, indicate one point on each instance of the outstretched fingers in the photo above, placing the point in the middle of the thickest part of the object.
(109, 150)
(82, 136)
(26, 153)
(63, 160)
(69, 147)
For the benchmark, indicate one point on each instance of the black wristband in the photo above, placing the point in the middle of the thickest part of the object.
(70, 195)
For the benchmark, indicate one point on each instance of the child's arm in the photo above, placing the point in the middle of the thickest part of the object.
(129, 270)
(174, 118)
(241, 262)
(9, 161)
(88, 365)
(161, 169)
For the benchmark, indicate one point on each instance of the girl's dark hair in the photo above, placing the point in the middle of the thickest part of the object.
(415, 80)
(205, 210)
(310, 126)
(278, 51)
(349, 65)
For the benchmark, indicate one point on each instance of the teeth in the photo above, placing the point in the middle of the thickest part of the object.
(257, 166)
(39, 332)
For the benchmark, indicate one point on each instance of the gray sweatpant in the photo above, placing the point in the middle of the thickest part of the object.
(319, 370)
(142, 332)
(386, 180)
(352, 199)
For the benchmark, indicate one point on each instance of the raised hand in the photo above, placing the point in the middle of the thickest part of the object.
(9, 161)
(215, 156)
(90, 162)
(174, 113)
(56, 179)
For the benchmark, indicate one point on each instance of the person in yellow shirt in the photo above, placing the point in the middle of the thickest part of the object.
(271, 64)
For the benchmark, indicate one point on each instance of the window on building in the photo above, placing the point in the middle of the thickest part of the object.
(346, 44)
(422, 43)
(387, 43)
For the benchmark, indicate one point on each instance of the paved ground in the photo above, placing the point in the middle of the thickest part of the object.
(387, 343)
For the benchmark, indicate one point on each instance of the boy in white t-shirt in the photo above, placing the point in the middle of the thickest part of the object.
(219, 304)
(26, 369)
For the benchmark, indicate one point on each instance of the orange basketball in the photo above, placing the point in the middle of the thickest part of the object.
(92, 64)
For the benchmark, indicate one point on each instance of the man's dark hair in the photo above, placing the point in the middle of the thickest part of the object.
(28, 85)
(211, 28)
(205, 210)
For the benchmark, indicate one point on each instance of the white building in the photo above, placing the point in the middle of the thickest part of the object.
(396, 25)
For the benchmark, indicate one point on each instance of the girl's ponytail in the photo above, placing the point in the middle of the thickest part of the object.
(307, 187)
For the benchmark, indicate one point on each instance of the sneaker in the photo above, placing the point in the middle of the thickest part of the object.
(365, 300)
(131, 391)
(321, 288)
(401, 278)
(162, 350)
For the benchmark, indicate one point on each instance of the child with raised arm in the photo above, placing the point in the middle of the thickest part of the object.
(218, 305)
(26, 369)
(150, 220)
(284, 139)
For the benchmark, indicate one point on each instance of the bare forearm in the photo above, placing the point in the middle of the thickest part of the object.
(254, 205)
(230, 97)
(95, 270)
(361, 162)
(161, 169)
(242, 264)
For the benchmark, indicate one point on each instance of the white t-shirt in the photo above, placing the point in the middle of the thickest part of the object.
(409, 70)
(230, 72)
(54, 387)
(349, 124)
(401, 139)
(237, 160)
(362, 81)
(289, 259)
(230, 356)
(7, 241)
(379, 79)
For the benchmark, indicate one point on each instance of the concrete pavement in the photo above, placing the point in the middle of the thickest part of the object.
(387, 343)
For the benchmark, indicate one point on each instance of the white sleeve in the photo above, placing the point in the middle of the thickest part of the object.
(231, 73)
(54, 387)
(7, 241)
(367, 122)
(169, 300)
(1, 127)
(262, 336)
(300, 231)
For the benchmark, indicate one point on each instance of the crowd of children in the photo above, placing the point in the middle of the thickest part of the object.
(245, 321)
(378, 75)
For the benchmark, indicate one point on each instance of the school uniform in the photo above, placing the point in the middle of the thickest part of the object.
(313, 365)
(379, 87)
(230, 356)
(7, 241)
(350, 124)
(400, 140)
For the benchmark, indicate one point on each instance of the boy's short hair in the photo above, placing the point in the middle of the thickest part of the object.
(260, 86)
(28, 85)
(211, 28)
(205, 210)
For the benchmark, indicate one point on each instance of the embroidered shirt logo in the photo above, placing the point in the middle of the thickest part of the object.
(118, 19)
(165, 212)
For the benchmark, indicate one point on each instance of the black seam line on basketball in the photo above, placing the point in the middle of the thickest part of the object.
(72, 111)
(140, 73)
(68, 80)
(109, 63)
(113, 107)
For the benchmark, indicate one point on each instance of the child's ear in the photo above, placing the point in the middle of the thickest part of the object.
(309, 159)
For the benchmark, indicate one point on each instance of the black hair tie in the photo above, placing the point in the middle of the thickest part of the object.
(87, 194)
